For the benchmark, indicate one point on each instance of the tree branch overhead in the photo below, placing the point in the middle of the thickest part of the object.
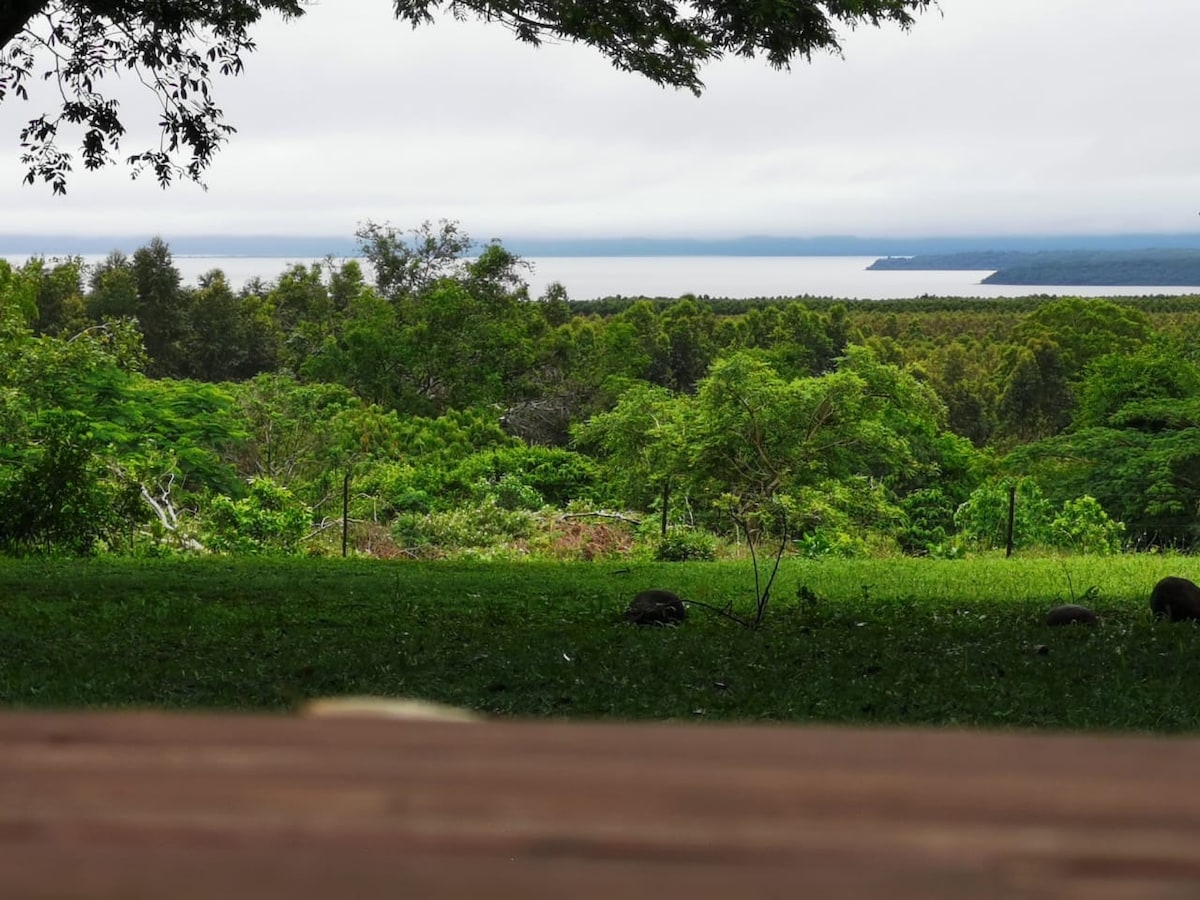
(178, 49)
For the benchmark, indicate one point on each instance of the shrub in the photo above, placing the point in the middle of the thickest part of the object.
(268, 520)
(398, 487)
(928, 521)
(685, 545)
(585, 539)
(831, 542)
(511, 493)
(58, 498)
(1084, 527)
(482, 526)
(557, 476)
(983, 519)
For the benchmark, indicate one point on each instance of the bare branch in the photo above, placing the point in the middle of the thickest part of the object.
(602, 515)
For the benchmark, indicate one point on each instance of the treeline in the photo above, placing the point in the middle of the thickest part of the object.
(437, 408)
(726, 306)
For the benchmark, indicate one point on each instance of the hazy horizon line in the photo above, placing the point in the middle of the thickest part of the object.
(317, 246)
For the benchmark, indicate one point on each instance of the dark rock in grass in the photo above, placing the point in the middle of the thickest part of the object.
(1175, 599)
(1071, 614)
(656, 607)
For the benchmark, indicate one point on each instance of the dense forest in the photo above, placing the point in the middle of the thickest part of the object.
(432, 407)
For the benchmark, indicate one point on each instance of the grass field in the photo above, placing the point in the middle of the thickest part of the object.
(917, 642)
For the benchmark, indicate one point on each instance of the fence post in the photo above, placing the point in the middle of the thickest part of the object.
(1012, 515)
(666, 501)
(345, 515)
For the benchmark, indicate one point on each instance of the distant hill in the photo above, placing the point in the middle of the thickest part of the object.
(1160, 266)
(980, 251)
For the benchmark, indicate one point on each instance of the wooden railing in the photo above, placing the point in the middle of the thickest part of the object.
(128, 805)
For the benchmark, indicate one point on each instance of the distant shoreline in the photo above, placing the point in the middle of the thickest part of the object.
(339, 247)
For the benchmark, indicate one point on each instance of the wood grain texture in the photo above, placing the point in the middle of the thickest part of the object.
(151, 805)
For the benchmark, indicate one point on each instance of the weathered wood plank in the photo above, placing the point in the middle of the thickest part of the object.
(152, 805)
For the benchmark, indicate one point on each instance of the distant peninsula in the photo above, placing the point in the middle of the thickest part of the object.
(1161, 267)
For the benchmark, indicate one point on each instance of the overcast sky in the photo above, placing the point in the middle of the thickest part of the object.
(1012, 117)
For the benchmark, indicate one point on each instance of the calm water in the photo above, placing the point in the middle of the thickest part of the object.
(587, 278)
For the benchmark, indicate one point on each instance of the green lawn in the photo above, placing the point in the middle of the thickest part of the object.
(916, 642)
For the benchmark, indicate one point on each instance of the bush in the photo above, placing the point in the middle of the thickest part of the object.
(983, 519)
(831, 542)
(1084, 527)
(556, 476)
(511, 493)
(928, 521)
(686, 545)
(269, 520)
(58, 498)
(584, 539)
(398, 488)
(485, 525)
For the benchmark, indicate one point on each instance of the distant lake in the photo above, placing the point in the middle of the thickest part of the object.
(588, 278)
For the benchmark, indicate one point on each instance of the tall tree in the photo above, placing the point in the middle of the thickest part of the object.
(1085, 329)
(440, 331)
(160, 309)
(1036, 400)
(225, 336)
(113, 290)
(176, 48)
(60, 295)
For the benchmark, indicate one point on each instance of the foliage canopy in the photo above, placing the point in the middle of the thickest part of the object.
(176, 49)
(434, 407)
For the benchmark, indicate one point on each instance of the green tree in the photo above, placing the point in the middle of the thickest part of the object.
(60, 302)
(830, 445)
(633, 346)
(641, 442)
(407, 263)
(18, 303)
(1037, 399)
(440, 331)
(112, 289)
(93, 446)
(1084, 330)
(840, 446)
(225, 336)
(159, 308)
(175, 49)
(308, 306)
(55, 493)
(961, 373)
(1141, 464)
(687, 330)
(1157, 371)
(556, 304)
(801, 342)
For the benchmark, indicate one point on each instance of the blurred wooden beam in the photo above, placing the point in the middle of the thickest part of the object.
(133, 805)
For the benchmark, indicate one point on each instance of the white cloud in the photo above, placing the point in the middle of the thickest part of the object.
(1020, 116)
